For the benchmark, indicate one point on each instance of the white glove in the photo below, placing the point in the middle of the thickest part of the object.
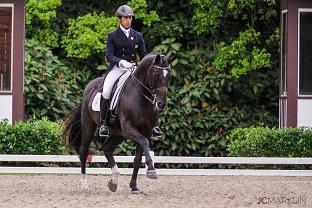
(125, 64)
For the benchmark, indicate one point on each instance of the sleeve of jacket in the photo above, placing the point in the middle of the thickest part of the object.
(110, 50)
(142, 49)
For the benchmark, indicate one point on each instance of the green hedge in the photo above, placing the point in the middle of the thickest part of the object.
(270, 142)
(31, 137)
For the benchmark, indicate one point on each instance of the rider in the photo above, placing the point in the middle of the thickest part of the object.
(122, 46)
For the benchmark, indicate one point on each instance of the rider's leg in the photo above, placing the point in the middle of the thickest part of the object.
(109, 81)
(104, 105)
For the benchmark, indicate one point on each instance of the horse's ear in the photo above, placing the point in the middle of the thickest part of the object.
(157, 59)
(171, 59)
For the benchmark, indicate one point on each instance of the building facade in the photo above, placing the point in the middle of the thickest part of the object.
(295, 93)
(12, 36)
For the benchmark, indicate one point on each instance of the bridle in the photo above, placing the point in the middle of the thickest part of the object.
(149, 89)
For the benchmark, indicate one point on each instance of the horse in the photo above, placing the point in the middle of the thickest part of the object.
(137, 112)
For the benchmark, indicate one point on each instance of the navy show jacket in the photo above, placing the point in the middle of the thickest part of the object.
(119, 47)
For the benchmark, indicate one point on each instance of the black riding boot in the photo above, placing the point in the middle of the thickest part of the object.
(104, 104)
(157, 133)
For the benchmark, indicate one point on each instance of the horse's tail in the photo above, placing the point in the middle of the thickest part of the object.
(72, 129)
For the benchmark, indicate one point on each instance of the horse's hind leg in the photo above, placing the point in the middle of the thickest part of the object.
(108, 148)
(136, 167)
(88, 128)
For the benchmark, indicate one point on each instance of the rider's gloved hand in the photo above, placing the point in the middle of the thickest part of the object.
(125, 64)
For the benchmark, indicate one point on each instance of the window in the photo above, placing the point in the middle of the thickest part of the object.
(305, 52)
(283, 80)
(5, 48)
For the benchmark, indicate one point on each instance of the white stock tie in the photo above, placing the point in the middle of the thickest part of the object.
(127, 33)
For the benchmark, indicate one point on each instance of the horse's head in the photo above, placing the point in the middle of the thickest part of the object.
(158, 76)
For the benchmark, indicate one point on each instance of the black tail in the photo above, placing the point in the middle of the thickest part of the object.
(72, 129)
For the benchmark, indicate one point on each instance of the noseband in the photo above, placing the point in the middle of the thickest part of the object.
(150, 89)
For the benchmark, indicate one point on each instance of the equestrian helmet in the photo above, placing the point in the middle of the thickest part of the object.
(124, 11)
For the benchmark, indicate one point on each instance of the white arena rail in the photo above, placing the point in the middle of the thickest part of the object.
(159, 159)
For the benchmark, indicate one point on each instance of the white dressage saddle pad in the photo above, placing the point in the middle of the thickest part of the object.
(114, 99)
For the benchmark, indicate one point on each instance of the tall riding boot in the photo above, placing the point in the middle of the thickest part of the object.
(104, 104)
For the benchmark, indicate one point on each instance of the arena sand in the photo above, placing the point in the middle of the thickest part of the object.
(63, 191)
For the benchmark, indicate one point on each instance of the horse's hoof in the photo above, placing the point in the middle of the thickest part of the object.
(151, 174)
(112, 187)
(135, 191)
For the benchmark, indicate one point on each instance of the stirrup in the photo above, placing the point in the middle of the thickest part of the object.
(103, 131)
(157, 133)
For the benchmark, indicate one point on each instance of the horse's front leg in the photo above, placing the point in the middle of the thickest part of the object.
(151, 172)
(144, 143)
(136, 166)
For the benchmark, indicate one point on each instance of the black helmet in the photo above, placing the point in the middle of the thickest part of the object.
(125, 11)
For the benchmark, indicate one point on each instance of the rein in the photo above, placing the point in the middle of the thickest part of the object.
(150, 90)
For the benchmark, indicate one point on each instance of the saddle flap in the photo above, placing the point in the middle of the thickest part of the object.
(115, 95)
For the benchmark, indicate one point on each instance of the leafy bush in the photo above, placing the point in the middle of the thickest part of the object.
(240, 57)
(204, 105)
(87, 34)
(270, 142)
(31, 137)
(141, 12)
(39, 21)
(51, 88)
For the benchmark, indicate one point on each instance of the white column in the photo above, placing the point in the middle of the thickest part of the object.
(304, 112)
(6, 107)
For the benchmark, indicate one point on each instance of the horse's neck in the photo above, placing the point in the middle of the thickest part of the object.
(139, 83)
(141, 74)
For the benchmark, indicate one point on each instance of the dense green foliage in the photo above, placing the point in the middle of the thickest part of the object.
(270, 142)
(239, 57)
(39, 19)
(86, 35)
(51, 88)
(31, 137)
(225, 72)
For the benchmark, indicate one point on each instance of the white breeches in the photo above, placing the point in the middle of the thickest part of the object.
(110, 79)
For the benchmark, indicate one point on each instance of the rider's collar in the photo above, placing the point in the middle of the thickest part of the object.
(124, 29)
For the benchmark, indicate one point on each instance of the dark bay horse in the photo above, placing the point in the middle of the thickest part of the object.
(137, 113)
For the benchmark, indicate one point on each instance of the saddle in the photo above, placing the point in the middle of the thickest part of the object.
(115, 95)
